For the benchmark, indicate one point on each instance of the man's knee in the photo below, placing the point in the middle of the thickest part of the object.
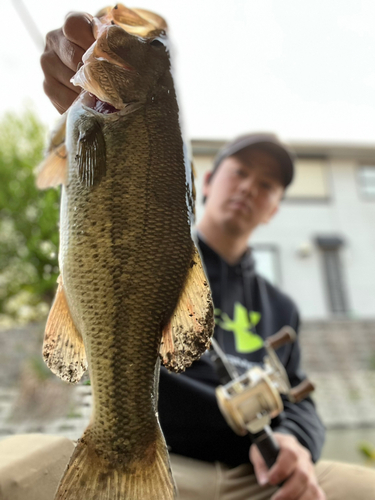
(344, 481)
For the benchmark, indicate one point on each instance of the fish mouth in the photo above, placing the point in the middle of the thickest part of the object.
(94, 104)
(102, 107)
(86, 78)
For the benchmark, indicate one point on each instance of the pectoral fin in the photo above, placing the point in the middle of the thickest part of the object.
(188, 333)
(53, 169)
(91, 153)
(63, 349)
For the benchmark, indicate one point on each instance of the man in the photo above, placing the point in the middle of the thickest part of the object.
(243, 191)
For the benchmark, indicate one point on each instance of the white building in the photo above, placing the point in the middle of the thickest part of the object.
(320, 247)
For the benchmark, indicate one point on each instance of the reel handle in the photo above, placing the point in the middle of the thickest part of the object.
(301, 391)
(284, 336)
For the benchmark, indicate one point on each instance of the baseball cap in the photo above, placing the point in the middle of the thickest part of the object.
(266, 141)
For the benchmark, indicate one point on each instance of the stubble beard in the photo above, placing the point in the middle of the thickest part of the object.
(235, 229)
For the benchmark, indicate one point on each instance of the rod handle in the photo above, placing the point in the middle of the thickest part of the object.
(267, 445)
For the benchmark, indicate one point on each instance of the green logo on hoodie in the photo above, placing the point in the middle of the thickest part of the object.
(241, 325)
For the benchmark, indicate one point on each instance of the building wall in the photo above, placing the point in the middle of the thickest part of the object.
(344, 213)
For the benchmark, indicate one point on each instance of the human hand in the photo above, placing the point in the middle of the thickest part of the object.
(293, 466)
(62, 54)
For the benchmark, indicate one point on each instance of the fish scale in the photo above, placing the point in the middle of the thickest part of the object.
(127, 318)
(132, 288)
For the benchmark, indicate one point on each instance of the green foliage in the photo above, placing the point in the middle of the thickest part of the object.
(367, 450)
(28, 223)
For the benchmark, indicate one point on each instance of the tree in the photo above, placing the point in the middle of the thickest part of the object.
(28, 222)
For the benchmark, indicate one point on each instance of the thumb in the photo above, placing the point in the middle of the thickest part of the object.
(260, 467)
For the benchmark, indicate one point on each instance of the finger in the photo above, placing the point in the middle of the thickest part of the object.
(284, 466)
(69, 53)
(294, 487)
(63, 52)
(260, 467)
(312, 493)
(57, 85)
(78, 29)
(60, 96)
(54, 69)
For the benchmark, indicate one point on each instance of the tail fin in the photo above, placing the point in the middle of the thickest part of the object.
(92, 477)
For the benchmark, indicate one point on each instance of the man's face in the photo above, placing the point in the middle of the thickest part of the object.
(245, 191)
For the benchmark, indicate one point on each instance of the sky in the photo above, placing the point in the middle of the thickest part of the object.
(304, 70)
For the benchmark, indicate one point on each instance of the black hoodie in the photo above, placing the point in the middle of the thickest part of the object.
(247, 307)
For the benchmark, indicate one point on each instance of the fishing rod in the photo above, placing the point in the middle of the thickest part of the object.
(29, 23)
(248, 402)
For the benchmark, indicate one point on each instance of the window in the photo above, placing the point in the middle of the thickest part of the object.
(267, 262)
(310, 180)
(333, 273)
(366, 177)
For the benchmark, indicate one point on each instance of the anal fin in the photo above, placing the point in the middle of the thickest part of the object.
(63, 348)
(188, 333)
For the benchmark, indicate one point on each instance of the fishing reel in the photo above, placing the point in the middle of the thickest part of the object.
(250, 401)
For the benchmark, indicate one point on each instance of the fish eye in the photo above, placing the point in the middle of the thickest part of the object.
(157, 43)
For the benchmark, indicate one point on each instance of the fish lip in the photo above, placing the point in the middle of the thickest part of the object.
(109, 116)
(90, 110)
(88, 98)
(84, 79)
(98, 52)
(124, 66)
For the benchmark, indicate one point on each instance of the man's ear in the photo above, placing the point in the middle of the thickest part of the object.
(206, 182)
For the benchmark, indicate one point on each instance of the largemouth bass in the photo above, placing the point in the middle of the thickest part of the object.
(132, 289)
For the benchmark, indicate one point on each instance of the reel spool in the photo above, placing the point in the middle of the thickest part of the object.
(249, 402)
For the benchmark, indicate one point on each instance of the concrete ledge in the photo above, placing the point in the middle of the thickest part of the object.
(31, 466)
